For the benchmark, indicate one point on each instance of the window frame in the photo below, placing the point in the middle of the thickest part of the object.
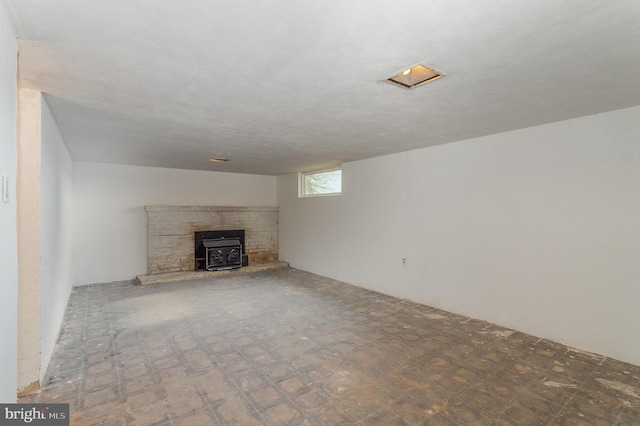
(302, 184)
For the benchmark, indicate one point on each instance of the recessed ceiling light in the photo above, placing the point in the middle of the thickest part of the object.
(218, 160)
(414, 77)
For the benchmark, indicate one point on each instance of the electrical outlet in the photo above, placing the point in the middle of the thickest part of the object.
(404, 260)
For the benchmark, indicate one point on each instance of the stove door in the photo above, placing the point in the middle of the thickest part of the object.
(223, 258)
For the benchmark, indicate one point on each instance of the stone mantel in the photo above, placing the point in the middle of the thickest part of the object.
(171, 229)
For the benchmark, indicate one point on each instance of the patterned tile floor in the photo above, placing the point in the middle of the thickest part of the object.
(289, 347)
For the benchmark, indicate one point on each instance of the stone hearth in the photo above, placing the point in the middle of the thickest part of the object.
(172, 277)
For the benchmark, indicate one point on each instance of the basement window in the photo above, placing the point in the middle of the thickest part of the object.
(325, 182)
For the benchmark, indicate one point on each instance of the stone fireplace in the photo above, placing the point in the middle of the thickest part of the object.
(171, 234)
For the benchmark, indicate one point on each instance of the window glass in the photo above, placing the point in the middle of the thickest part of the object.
(321, 183)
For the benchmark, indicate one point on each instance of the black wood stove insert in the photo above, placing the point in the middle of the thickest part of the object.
(219, 250)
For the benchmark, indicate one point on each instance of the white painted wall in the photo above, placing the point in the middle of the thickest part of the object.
(536, 229)
(8, 226)
(110, 234)
(56, 213)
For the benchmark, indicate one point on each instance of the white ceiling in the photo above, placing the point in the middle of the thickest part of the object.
(291, 85)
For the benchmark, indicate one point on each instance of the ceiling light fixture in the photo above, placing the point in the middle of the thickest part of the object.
(415, 76)
(218, 160)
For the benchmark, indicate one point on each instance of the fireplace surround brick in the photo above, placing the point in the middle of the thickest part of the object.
(170, 233)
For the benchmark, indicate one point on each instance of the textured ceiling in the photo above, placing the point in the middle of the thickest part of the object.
(295, 85)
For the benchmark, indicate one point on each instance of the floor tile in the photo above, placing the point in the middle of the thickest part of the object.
(289, 347)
